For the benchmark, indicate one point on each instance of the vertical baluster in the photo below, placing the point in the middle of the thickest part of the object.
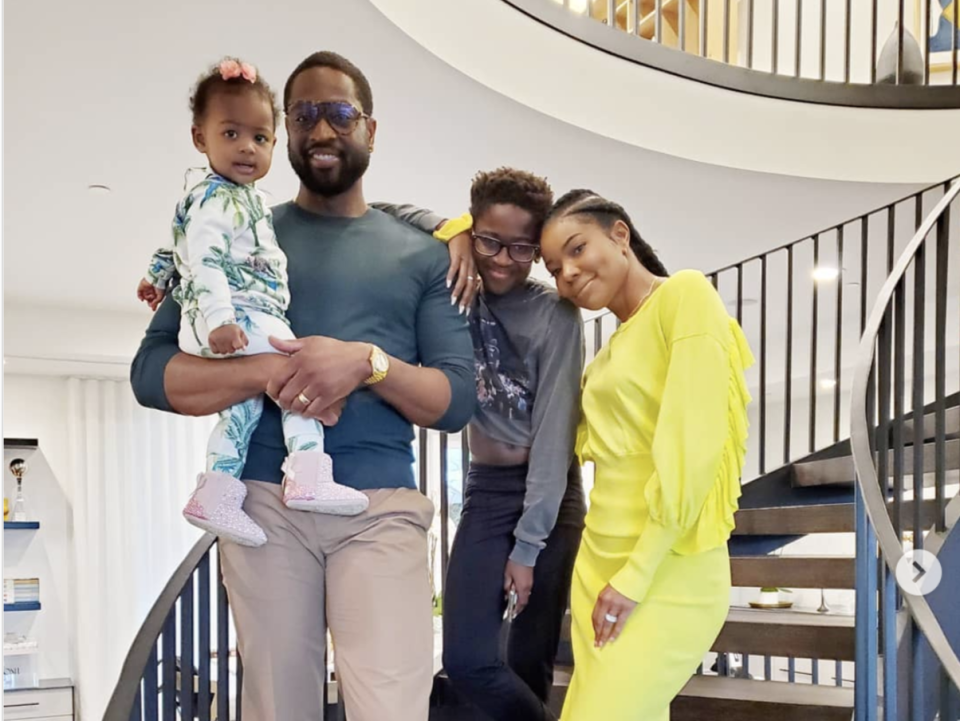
(422, 458)
(873, 42)
(953, 46)
(890, 662)
(798, 55)
(658, 20)
(464, 460)
(791, 669)
(750, 9)
(763, 364)
(900, 30)
(944, 694)
(847, 41)
(239, 710)
(612, 13)
(925, 33)
(223, 647)
(814, 337)
(919, 328)
(704, 24)
(891, 236)
(682, 24)
(788, 369)
(940, 372)
(325, 687)
(726, 30)
(899, 404)
(633, 17)
(203, 636)
(767, 668)
(863, 561)
(444, 508)
(186, 651)
(864, 265)
(151, 693)
(740, 294)
(916, 673)
(823, 39)
(838, 338)
(815, 672)
(775, 38)
(168, 668)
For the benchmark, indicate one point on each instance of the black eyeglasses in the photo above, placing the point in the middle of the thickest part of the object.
(343, 117)
(491, 247)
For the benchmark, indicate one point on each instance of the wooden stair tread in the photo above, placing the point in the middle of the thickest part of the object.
(803, 520)
(788, 617)
(795, 520)
(841, 471)
(767, 692)
(801, 634)
(952, 425)
(794, 571)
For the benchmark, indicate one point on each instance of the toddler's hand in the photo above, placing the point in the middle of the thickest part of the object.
(150, 294)
(227, 339)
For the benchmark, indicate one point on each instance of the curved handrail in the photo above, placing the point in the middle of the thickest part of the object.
(682, 64)
(125, 692)
(867, 478)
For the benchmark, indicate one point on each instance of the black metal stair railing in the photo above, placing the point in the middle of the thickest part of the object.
(803, 307)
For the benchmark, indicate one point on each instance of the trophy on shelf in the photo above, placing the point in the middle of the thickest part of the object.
(18, 467)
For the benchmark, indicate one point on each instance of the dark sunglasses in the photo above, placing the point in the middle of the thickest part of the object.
(341, 116)
(491, 247)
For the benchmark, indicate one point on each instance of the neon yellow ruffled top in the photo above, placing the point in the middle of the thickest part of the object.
(665, 422)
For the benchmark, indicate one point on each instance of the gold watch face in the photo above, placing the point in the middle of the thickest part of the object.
(380, 363)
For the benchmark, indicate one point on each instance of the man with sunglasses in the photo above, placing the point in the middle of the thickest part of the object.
(523, 499)
(380, 348)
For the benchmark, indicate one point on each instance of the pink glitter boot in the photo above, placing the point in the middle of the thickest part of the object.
(217, 506)
(309, 486)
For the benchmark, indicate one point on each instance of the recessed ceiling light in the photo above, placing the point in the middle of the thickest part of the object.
(828, 383)
(825, 274)
(98, 189)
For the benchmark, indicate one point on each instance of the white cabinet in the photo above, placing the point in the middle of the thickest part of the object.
(53, 701)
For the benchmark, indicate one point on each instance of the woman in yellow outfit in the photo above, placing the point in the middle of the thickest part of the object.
(664, 422)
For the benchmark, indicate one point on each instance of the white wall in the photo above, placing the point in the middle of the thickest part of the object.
(60, 341)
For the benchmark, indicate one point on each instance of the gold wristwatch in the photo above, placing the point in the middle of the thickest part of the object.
(380, 363)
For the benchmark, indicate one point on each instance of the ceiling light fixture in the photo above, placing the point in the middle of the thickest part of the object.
(828, 383)
(825, 274)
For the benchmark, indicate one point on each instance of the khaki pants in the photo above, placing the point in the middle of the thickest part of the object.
(366, 576)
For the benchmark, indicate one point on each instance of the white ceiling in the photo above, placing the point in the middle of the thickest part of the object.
(96, 93)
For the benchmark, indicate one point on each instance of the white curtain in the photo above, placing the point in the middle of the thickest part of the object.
(133, 470)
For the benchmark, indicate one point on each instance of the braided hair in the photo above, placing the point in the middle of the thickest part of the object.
(605, 213)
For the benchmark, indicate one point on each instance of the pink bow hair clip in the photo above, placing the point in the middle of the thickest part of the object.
(230, 69)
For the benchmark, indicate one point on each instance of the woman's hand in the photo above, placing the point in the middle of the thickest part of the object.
(610, 604)
(463, 271)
